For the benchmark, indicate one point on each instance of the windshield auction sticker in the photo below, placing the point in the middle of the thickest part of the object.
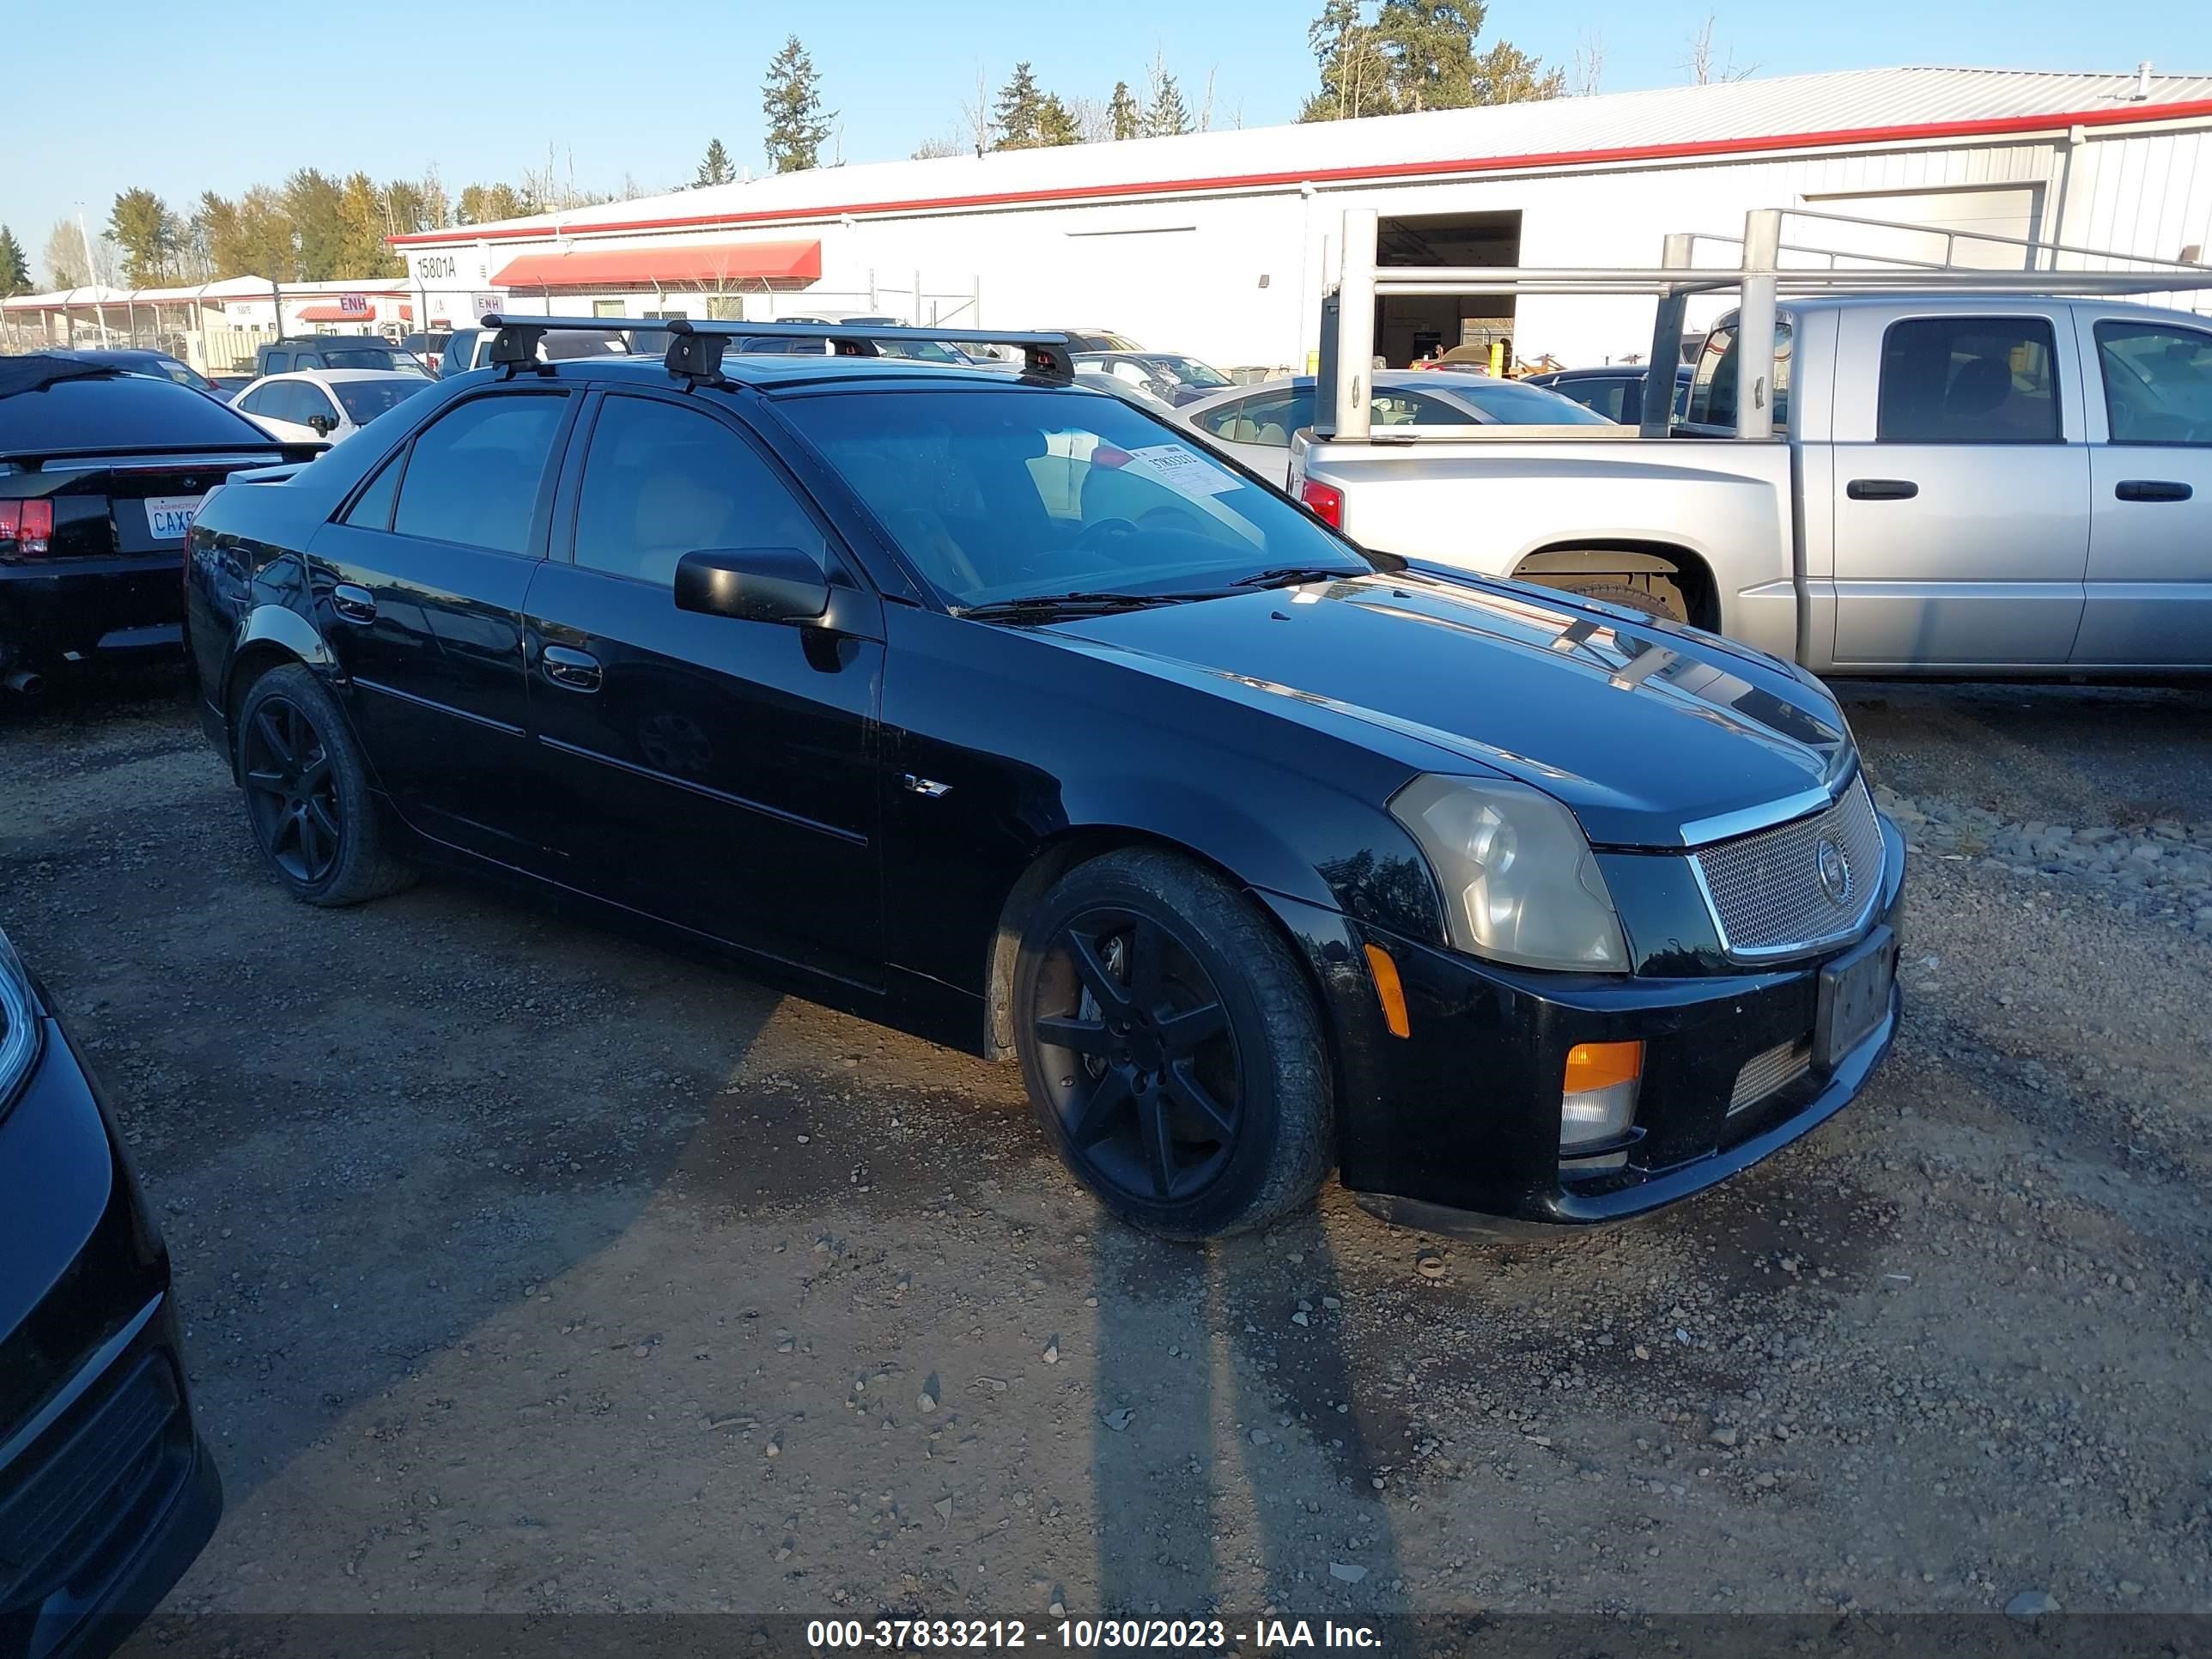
(1181, 470)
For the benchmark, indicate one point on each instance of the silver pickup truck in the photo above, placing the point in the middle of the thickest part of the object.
(1971, 477)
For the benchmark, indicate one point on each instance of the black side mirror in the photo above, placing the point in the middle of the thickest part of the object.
(753, 584)
(322, 424)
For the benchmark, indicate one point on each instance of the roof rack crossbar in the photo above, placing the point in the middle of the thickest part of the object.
(696, 350)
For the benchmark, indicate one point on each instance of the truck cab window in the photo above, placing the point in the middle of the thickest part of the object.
(2158, 382)
(1713, 392)
(1968, 380)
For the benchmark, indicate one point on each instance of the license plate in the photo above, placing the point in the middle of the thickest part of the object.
(169, 517)
(1854, 997)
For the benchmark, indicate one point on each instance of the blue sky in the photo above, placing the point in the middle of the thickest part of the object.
(205, 106)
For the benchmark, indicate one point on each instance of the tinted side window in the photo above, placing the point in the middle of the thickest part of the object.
(1968, 380)
(1403, 408)
(277, 362)
(474, 473)
(2158, 382)
(660, 481)
(251, 404)
(371, 509)
(1713, 392)
(1269, 418)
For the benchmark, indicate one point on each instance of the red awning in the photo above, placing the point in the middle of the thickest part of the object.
(337, 314)
(706, 264)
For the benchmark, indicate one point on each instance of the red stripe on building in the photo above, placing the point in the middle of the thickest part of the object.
(2000, 127)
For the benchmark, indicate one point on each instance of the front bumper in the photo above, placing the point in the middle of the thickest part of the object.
(107, 1494)
(86, 610)
(1456, 1126)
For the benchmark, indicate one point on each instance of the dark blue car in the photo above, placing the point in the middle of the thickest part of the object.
(106, 1491)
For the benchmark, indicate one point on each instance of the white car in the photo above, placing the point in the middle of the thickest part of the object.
(325, 404)
(1255, 423)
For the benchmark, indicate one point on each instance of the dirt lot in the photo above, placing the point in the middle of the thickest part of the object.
(529, 1269)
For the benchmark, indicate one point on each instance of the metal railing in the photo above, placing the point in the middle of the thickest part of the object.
(1758, 279)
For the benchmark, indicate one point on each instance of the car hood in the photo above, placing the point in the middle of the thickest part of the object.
(1652, 735)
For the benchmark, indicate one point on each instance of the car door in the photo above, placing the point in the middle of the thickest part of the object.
(1961, 483)
(2149, 595)
(418, 586)
(1257, 429)
(313, 401)
(272, 405)
(716, 773)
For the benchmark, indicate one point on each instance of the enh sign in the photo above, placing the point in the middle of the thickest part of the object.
(355, 305)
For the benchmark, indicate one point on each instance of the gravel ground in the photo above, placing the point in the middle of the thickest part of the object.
(529, 1269)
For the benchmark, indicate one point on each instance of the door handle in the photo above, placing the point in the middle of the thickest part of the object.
(572, 670)
(1881, 490)
(355, 604)
(2151, 489)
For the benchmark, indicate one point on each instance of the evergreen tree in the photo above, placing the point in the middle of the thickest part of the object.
(716, 168)
(1056, 123)
(149, 234)
(792, 99)
(1020, 104)
(15, 269)
(1123, 118)
(1166, 117)
(1417, 55)
(311, 202)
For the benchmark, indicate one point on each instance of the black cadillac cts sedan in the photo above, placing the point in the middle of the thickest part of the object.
(989, 708)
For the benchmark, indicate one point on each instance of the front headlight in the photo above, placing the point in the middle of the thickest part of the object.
(19, 1023)
(1520, 883)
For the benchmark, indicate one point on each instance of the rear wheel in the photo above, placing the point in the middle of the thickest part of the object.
(1171, 1047)
(1652, 596)
(308, 797)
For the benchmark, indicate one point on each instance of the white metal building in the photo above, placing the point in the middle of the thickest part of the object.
(1220, 243)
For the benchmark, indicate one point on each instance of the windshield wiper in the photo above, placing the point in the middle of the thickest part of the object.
(1035, 606)
(1289, 575)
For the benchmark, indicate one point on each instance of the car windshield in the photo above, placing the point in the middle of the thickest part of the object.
(1515, 404)
(364, 400)
(1006, 494)
(927, 351)
(369, 357)
(119, 411)
(1188, 370)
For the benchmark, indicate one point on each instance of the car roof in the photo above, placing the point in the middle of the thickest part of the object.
(333, 376)
(773, 372)
(113, 355)
(1984, 303)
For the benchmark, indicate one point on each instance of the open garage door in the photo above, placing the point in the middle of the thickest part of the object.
(2008, 210)
(1406, 327)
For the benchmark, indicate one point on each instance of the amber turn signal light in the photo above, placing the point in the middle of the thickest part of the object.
(1389, 992)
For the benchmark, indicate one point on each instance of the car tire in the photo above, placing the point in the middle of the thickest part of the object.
(308, 797)
(1172, 1048)
(1650, 596)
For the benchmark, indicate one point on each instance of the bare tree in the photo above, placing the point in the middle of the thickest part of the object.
(1588, 72)
(1205, 105)
(1091, 120)
(975, 113)
(932, 149)
(1704, 67)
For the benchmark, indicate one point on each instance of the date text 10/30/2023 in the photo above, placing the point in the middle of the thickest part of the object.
(1088, 1635)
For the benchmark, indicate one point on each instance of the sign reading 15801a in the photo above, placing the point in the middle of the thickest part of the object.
(431, 265)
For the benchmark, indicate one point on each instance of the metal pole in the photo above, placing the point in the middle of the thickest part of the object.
(1658, 410)
(1754, 329)
(917, 299)
(1355, 324)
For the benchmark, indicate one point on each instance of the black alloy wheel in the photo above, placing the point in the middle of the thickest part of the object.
(1143, 1063)
(292, 791)
(308, 799)
(1172, 1046)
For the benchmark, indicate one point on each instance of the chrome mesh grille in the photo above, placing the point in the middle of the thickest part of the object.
(1763, 1073)
(1765, 888)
